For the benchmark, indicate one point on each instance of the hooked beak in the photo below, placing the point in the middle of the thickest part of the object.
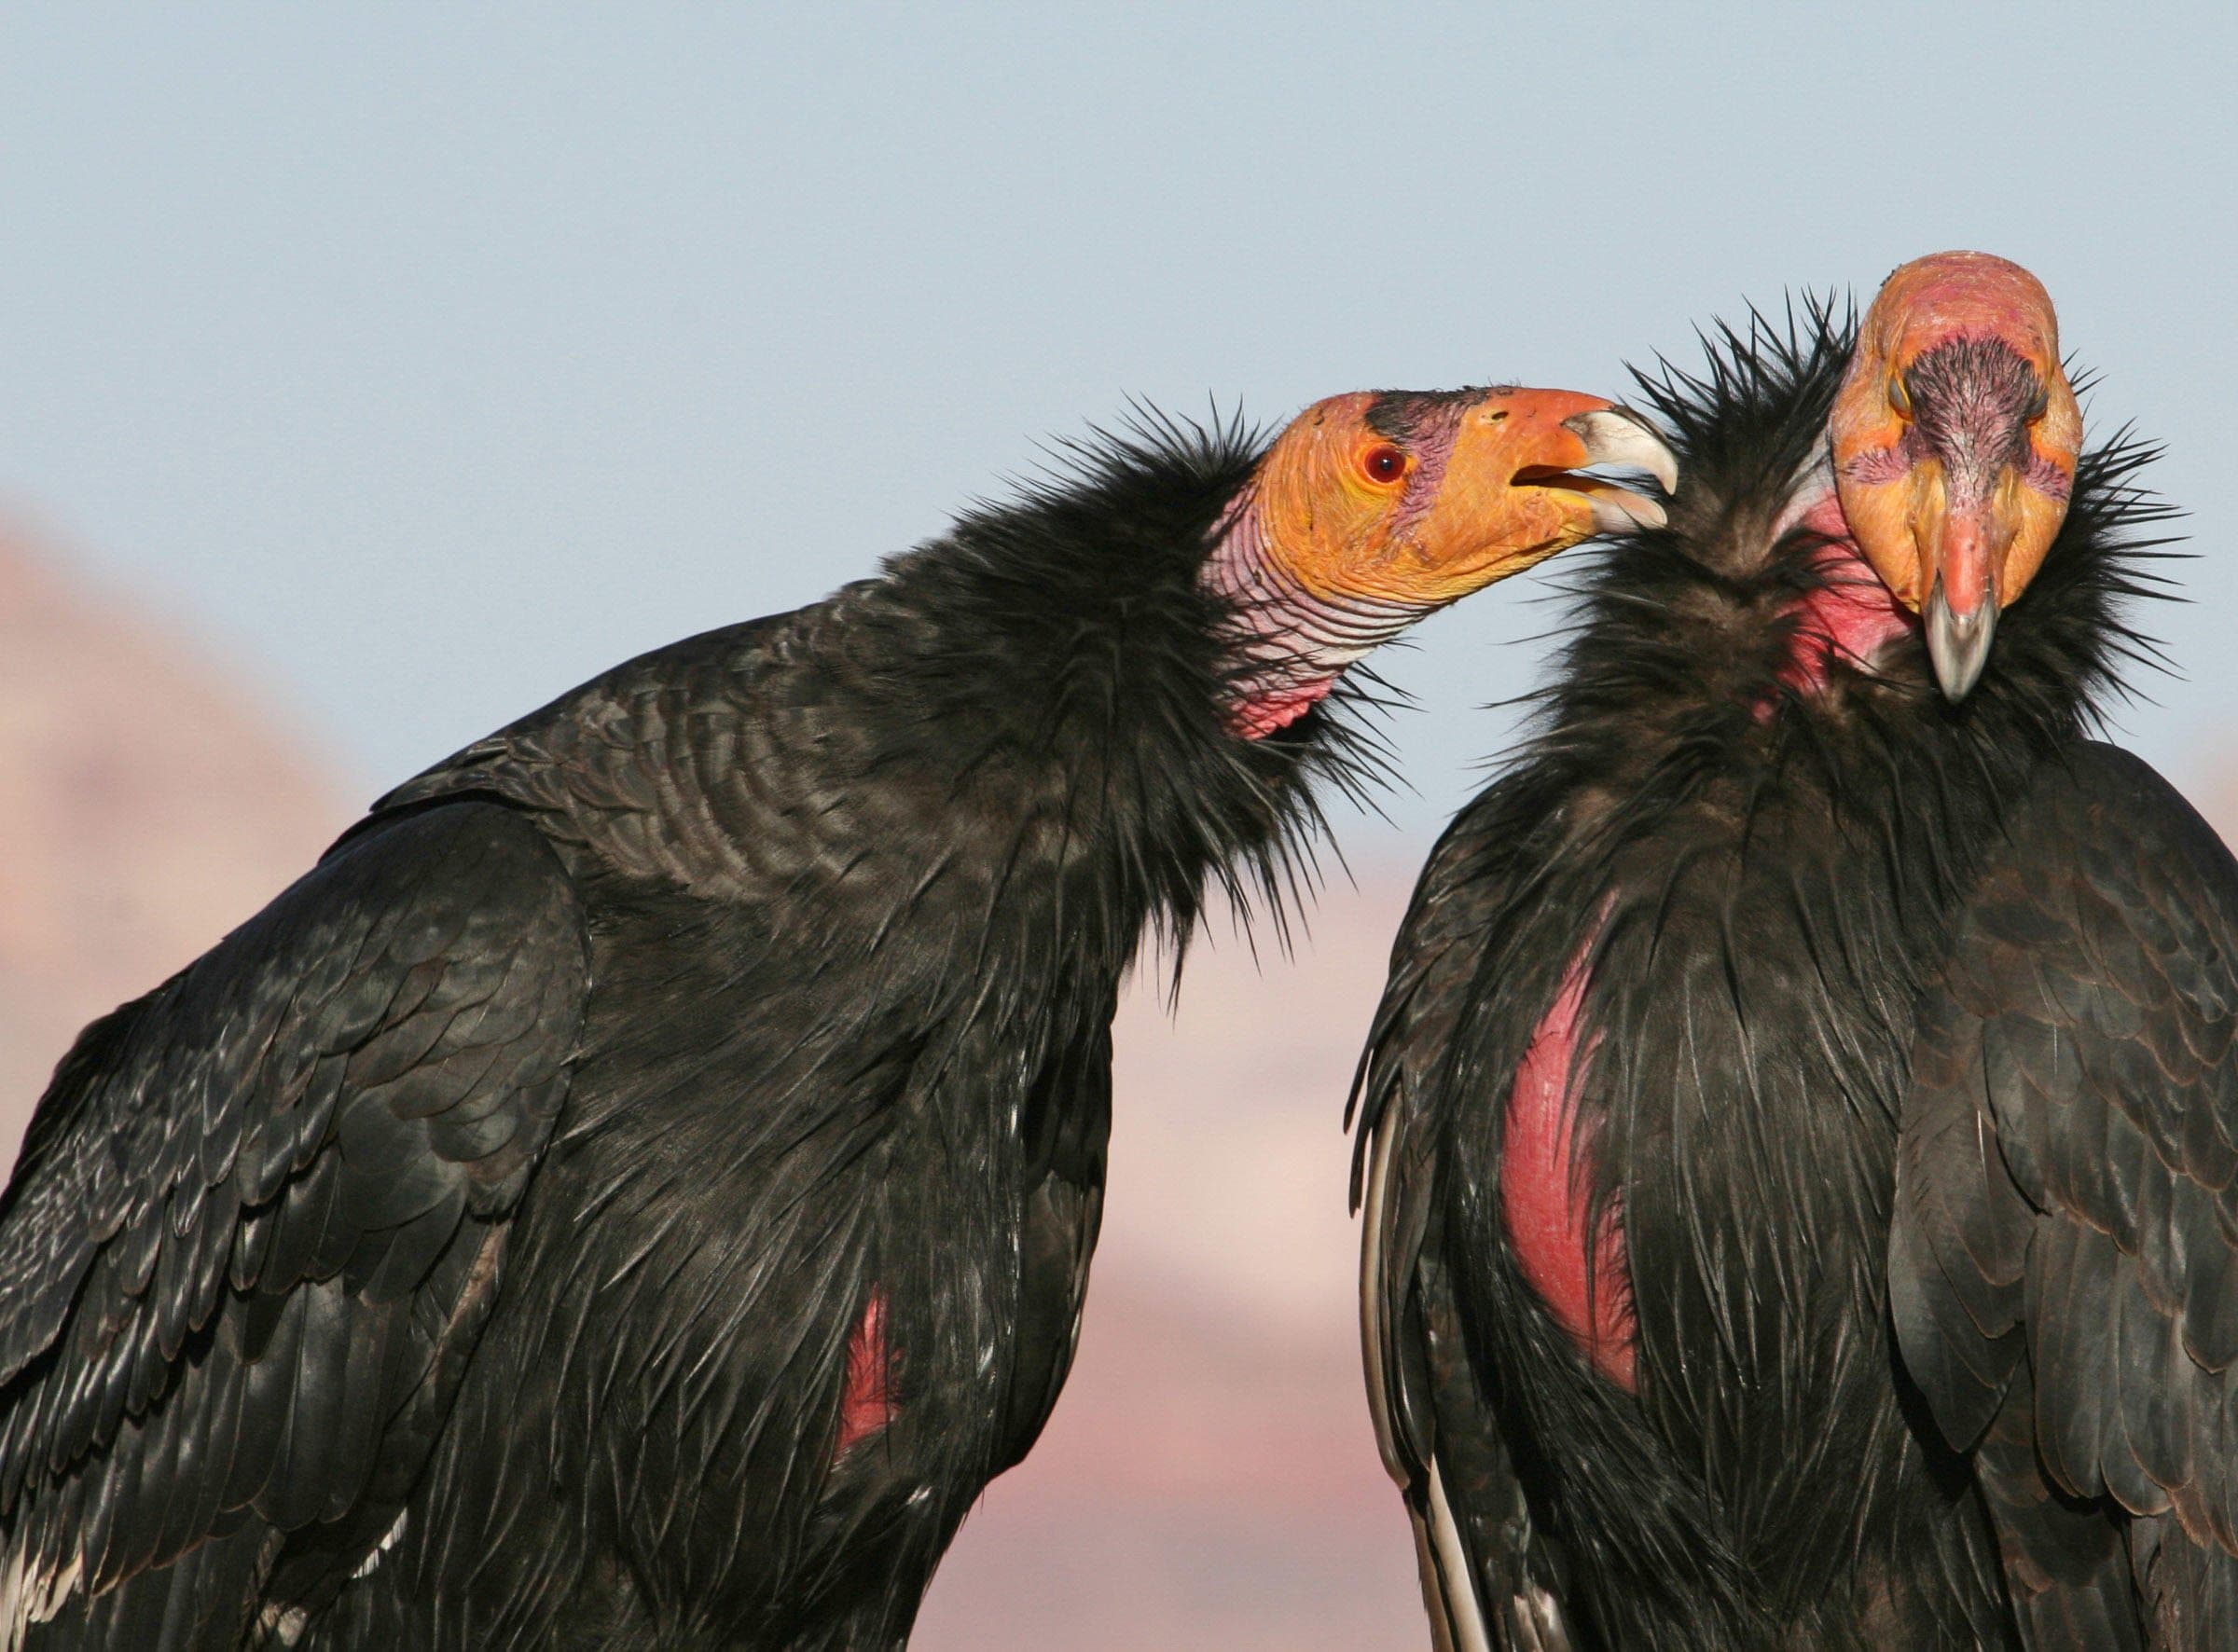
(1961, 609)
(1616, 436)
(1517, 489)
(1958, 640)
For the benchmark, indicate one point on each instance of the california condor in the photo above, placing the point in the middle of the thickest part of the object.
(1800, 1135)
(639, 1188)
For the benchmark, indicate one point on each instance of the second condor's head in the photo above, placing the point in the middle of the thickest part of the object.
(1954, 436)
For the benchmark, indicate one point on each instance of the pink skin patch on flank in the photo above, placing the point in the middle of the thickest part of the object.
(1850, 616)
(1546, 1165)
(1545, 1184)
(865, 1404)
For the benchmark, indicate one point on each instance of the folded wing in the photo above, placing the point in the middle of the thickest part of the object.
(2064, 1257)
(257, 1223)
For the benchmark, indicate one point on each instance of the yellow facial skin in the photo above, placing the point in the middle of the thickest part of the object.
(1913, 536)
(1417, 500)
(1978, 530)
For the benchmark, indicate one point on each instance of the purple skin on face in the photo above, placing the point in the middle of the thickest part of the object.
(1971, 401)
(1425, 423)
(1968, 407)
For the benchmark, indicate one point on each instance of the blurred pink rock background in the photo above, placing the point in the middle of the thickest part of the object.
(148, 803)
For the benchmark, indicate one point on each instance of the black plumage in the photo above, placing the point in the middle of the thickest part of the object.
(1907, 1099)
(785, 959)
(638, 1189)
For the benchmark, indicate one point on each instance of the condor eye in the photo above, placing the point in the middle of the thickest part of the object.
(1383, 464)
(2037, 404)
(1899, 396)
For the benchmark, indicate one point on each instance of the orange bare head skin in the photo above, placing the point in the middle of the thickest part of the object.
(1416, 499)
(1955, 436)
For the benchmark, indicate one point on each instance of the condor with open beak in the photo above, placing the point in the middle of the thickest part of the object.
(1380, 506)
(1374, 509)
(1409, 499)
(1954, 439)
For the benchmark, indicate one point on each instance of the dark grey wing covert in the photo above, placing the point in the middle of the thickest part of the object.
(258, 1222)
(2064, 1264)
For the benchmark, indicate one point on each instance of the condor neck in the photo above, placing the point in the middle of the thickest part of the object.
(1288, 644)
(1848, 614)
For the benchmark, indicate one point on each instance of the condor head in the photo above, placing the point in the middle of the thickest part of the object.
(1416, 499)
(1955, 436)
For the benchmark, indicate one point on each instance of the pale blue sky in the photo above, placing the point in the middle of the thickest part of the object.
(433, 357)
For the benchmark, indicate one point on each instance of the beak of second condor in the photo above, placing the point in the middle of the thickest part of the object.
(1955, 436)
(1414, 500)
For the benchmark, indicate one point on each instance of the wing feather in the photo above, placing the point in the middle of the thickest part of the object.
(236, 1248)
(1473, 1539)
(2064, 1253)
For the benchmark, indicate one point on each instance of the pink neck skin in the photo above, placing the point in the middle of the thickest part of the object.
(1545, 1187)
(1851, 615)
(1292, 643)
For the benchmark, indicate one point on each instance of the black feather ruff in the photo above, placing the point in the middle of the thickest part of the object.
(1759, 880)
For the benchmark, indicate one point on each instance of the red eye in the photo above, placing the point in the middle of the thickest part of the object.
(1383, 463)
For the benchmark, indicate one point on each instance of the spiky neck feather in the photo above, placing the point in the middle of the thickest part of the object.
(1127, 610)
(1050, 684)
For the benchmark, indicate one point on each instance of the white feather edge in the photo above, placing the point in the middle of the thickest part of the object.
(1456, 1623)
(30, 1595)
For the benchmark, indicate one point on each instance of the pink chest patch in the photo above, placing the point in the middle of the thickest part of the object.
(1545, 1182)
(865, 1404)
(1850, 616)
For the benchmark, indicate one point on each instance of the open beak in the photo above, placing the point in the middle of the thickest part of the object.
(1616, 436)
(1519, 487)
(1551, 439)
